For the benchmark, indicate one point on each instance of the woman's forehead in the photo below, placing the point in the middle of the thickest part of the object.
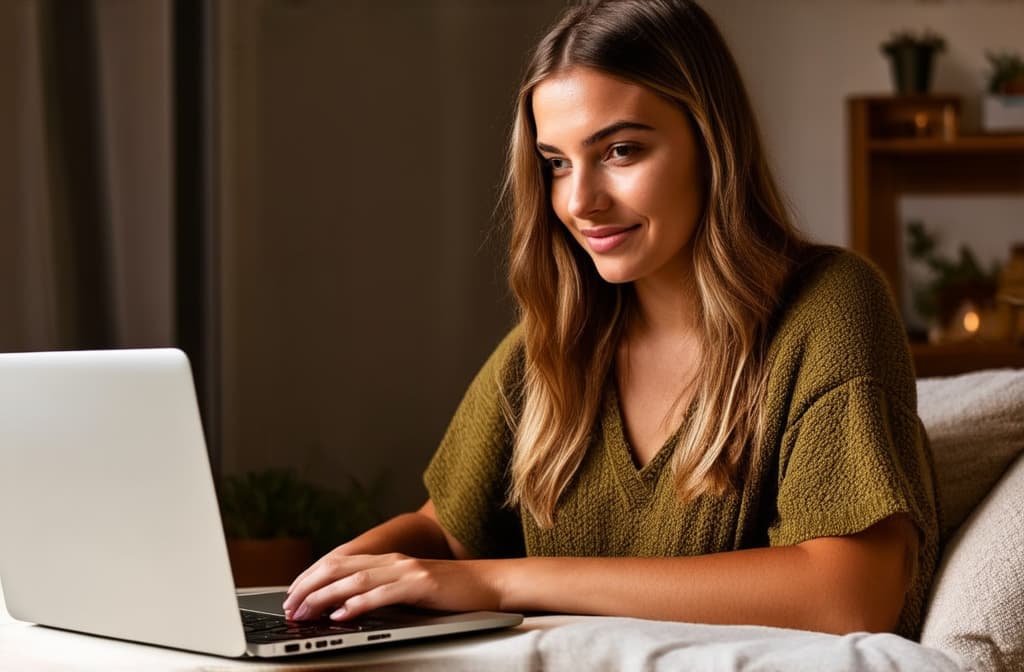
(571, 105)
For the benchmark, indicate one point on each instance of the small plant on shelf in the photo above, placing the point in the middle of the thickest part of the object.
(911, 56)
(953, 280)
(1007, 75)
(907, 39)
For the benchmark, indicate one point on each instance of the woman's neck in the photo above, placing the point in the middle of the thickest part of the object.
(666, 304)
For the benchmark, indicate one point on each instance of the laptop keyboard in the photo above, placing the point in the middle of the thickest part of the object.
(263, 628)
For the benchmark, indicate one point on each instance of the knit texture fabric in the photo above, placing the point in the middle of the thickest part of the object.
(844, 448)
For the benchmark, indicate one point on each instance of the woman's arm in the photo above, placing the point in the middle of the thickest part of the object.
(831, 584)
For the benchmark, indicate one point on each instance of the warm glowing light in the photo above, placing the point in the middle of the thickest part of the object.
(921, 122)
(971, 321)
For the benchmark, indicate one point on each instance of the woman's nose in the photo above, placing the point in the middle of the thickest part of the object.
(589, 195)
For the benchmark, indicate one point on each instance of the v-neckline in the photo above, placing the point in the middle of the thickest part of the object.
(638, 481)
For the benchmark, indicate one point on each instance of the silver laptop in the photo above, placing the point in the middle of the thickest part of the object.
(109, 522)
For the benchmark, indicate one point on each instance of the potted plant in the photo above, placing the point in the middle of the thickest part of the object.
(954, 283)
(277, 522)
(1003, 108)
(911, 59)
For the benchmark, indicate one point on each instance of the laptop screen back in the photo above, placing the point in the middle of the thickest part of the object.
(108, 515)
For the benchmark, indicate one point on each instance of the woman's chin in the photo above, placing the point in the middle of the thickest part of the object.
(614, 275)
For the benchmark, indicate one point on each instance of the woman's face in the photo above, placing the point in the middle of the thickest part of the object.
(625, 173)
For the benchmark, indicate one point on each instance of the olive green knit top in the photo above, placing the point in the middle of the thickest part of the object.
(843, 449)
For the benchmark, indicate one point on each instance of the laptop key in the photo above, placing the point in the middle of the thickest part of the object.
(261, 619)
(374, 624)
(263, 625)
(274, 636)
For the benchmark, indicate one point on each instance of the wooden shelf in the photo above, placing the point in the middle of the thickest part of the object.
(884, 166)
(967, 144)
(948, 359)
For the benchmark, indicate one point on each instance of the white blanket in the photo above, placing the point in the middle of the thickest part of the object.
(652, 646)
(548, 644)
(595, 644)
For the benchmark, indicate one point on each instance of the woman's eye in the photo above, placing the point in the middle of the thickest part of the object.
(622, 151)
(558, 165)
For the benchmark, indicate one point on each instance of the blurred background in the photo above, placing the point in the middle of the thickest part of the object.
(301, 193)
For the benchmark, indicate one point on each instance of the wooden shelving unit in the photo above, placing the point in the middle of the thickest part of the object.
(910, 145)
(948, 359)
(963, 145)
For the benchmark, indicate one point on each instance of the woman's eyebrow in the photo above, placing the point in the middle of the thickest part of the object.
(600, 135)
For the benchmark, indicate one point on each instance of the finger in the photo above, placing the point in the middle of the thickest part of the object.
(326, 570)
(301, 587)
(336, 594)
(304, 575)
(401, 591)
(332, 574)
(301, 576)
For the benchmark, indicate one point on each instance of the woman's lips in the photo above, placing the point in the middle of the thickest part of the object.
(607, 238)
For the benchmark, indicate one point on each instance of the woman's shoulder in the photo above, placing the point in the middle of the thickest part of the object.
(824, 274)
(509, 356)
(838, 321)
(834, 285)
(503, 370)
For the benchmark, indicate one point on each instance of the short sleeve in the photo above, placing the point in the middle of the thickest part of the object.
(467, 479)
(855, 457)
(851, 448)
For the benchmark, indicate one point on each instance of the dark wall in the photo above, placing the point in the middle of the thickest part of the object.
(361, 146)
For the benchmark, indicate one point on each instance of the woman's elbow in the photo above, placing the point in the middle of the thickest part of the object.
(881, 615)
(868, 576)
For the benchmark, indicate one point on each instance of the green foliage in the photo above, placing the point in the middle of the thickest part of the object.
(1007, 71)
(906, 39)
(279, 503)
(948, 275)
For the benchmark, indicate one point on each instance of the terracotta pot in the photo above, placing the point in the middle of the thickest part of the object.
(268, 562)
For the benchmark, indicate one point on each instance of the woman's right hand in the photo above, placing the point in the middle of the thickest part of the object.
(412, 535)
(350, 585)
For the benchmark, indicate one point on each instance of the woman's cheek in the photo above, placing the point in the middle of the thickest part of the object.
(559, 203)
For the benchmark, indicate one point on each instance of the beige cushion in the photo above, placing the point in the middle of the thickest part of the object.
(976, 610)
(976, 426)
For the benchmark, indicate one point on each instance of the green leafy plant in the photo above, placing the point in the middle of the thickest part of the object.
(952, 280)
(273, 503)
(1007, 76)
(906, 39)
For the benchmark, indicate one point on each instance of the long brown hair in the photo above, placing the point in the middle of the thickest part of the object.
(572, 320)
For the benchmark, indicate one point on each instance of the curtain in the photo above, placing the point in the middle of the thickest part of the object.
(105, 236)
(91, 235)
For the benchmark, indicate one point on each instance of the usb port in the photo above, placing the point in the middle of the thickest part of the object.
(335, 642)
(291, 648)
(321, 644)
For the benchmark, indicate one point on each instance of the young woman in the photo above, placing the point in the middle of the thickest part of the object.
(699, 417)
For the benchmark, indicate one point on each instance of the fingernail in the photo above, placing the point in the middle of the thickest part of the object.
(287, 604)
(302, 612)
(339, 614)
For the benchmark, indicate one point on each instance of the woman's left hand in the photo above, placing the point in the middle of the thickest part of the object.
(349, 585)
